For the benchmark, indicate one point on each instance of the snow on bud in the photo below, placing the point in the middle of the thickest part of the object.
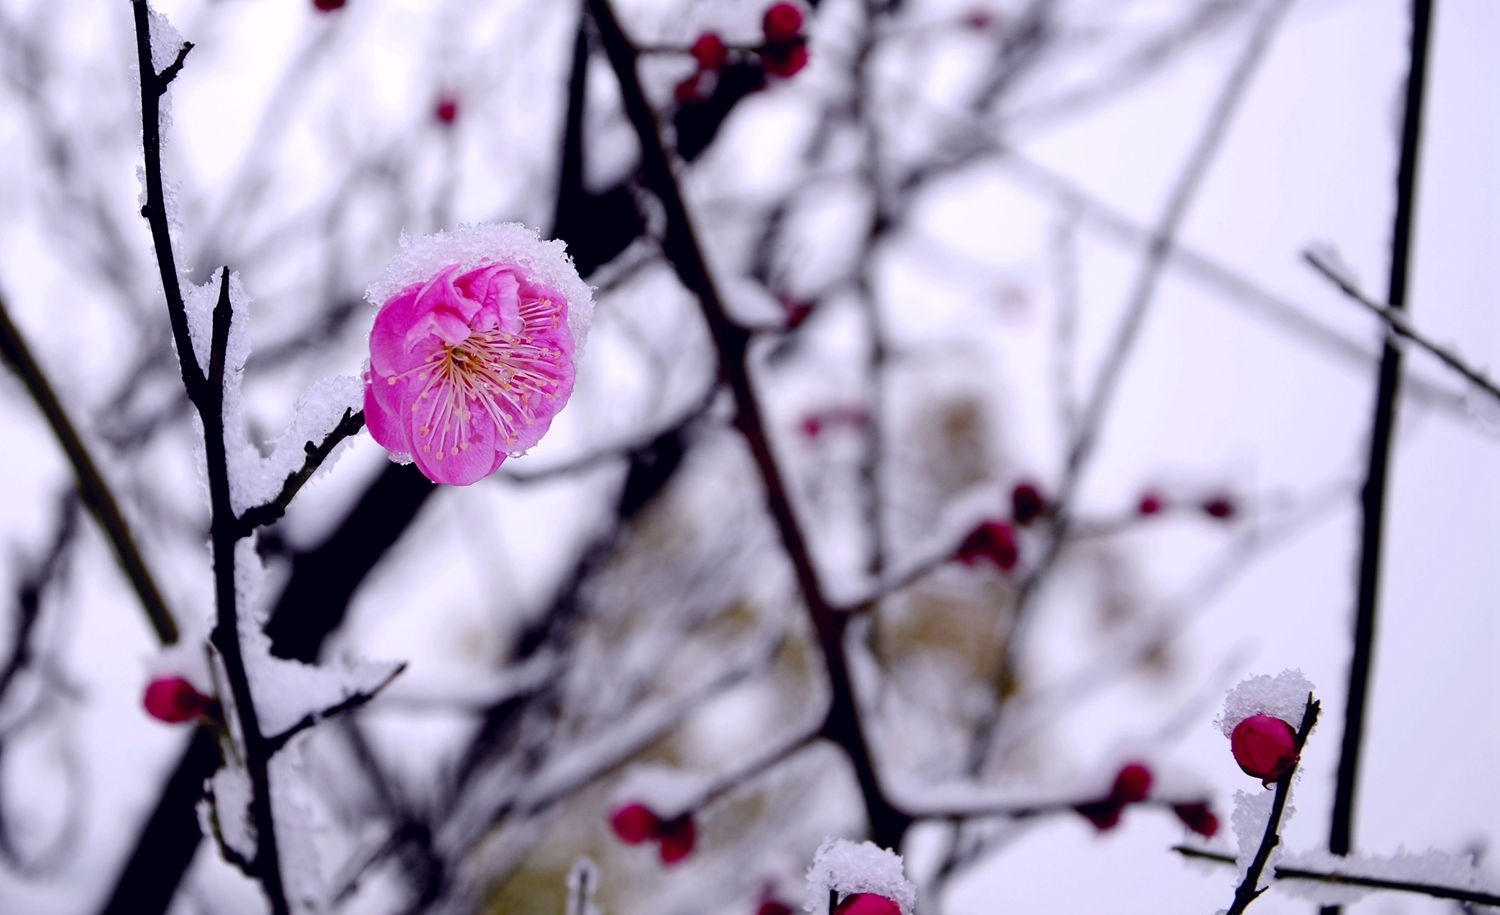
(174, 700)
(635, 823)
(1264, 746)
(864, 878)
(1197, 817)
(472, 351)
(867, 904)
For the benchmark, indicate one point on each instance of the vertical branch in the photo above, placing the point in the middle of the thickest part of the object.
(843, 725)
(1341, 826)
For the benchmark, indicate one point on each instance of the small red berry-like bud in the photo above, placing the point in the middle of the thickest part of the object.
(979, 20)
(796, 312)
(811, 426)
(1132, 784)
(678, 836)
(1026, 503)
(782, 22)
(328, 6)
(710, 51)
(1220, 507)
(635, 823)
(1151, 503)
(867, 904)
(771, 907)
(446, 109)
(1105, 814)
(686, 91)
(174, 700)
(1198, 818)
(784, 58)
(992, 541)
(1264, 746)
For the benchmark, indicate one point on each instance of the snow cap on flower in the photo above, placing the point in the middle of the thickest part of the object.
(472, 351)
(849, 869)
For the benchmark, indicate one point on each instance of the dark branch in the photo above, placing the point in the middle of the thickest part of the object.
(1282, 872)
(271, 512)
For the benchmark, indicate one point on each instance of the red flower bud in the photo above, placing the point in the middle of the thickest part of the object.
(1151, 503)
(992, 541)
(328, 6)
(1198, 818)
(773, 908)
(1220, 507)
(1264, 746)
(678, 836)
(635, 823)
(687, 90)
(784, 58)
(1132, 784)
(1026, 503)
(782, 21)
(710, 51)
(175, 700)
(446, 109)
(1105, 814)
(867, 904)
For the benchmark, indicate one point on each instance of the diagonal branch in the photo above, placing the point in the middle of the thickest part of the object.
(271, 512)
(96, 492)
(1397, 323)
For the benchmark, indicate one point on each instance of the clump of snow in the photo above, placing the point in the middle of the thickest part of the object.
(304, 833)
(228, 807)
(288, 691)
(845, 867)
(1251, 813)
(166, 41)
(469, 246)
(1283, 696)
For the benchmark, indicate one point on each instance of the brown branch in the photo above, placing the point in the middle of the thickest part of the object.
(842, 725)
(94, 489)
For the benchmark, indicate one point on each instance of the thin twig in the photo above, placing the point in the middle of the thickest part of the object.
(275, 742)
(1341, 821)
(1283, 872)
(1249, 888)
(269, 513)
(1398, 324)
(95, 490)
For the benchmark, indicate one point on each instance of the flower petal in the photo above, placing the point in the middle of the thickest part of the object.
(383, 414)
(437, 447)
(496, 290)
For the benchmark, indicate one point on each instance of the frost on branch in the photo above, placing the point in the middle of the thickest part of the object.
(1251, 813)
(1431, 867)
(844, 868)
(255, 479)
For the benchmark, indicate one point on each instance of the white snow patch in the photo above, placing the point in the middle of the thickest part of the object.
(230, 787)
(1435, 867)
(1251, 813)
(844, 867)
(1283, 696)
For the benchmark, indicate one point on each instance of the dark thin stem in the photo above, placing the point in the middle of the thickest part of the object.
(1282, 872)
(224, 534)
(1341, 826)
(275, 742)
(269, 513)
(842, 725)
(153, 84)
(1248, 890)
(96, 492)
(1397, 323)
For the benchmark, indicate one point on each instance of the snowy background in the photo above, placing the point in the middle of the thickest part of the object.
(1219, 396)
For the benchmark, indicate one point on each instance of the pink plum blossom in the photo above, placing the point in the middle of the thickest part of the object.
(472, 351)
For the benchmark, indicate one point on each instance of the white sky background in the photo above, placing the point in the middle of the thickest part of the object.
(1214, 396)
